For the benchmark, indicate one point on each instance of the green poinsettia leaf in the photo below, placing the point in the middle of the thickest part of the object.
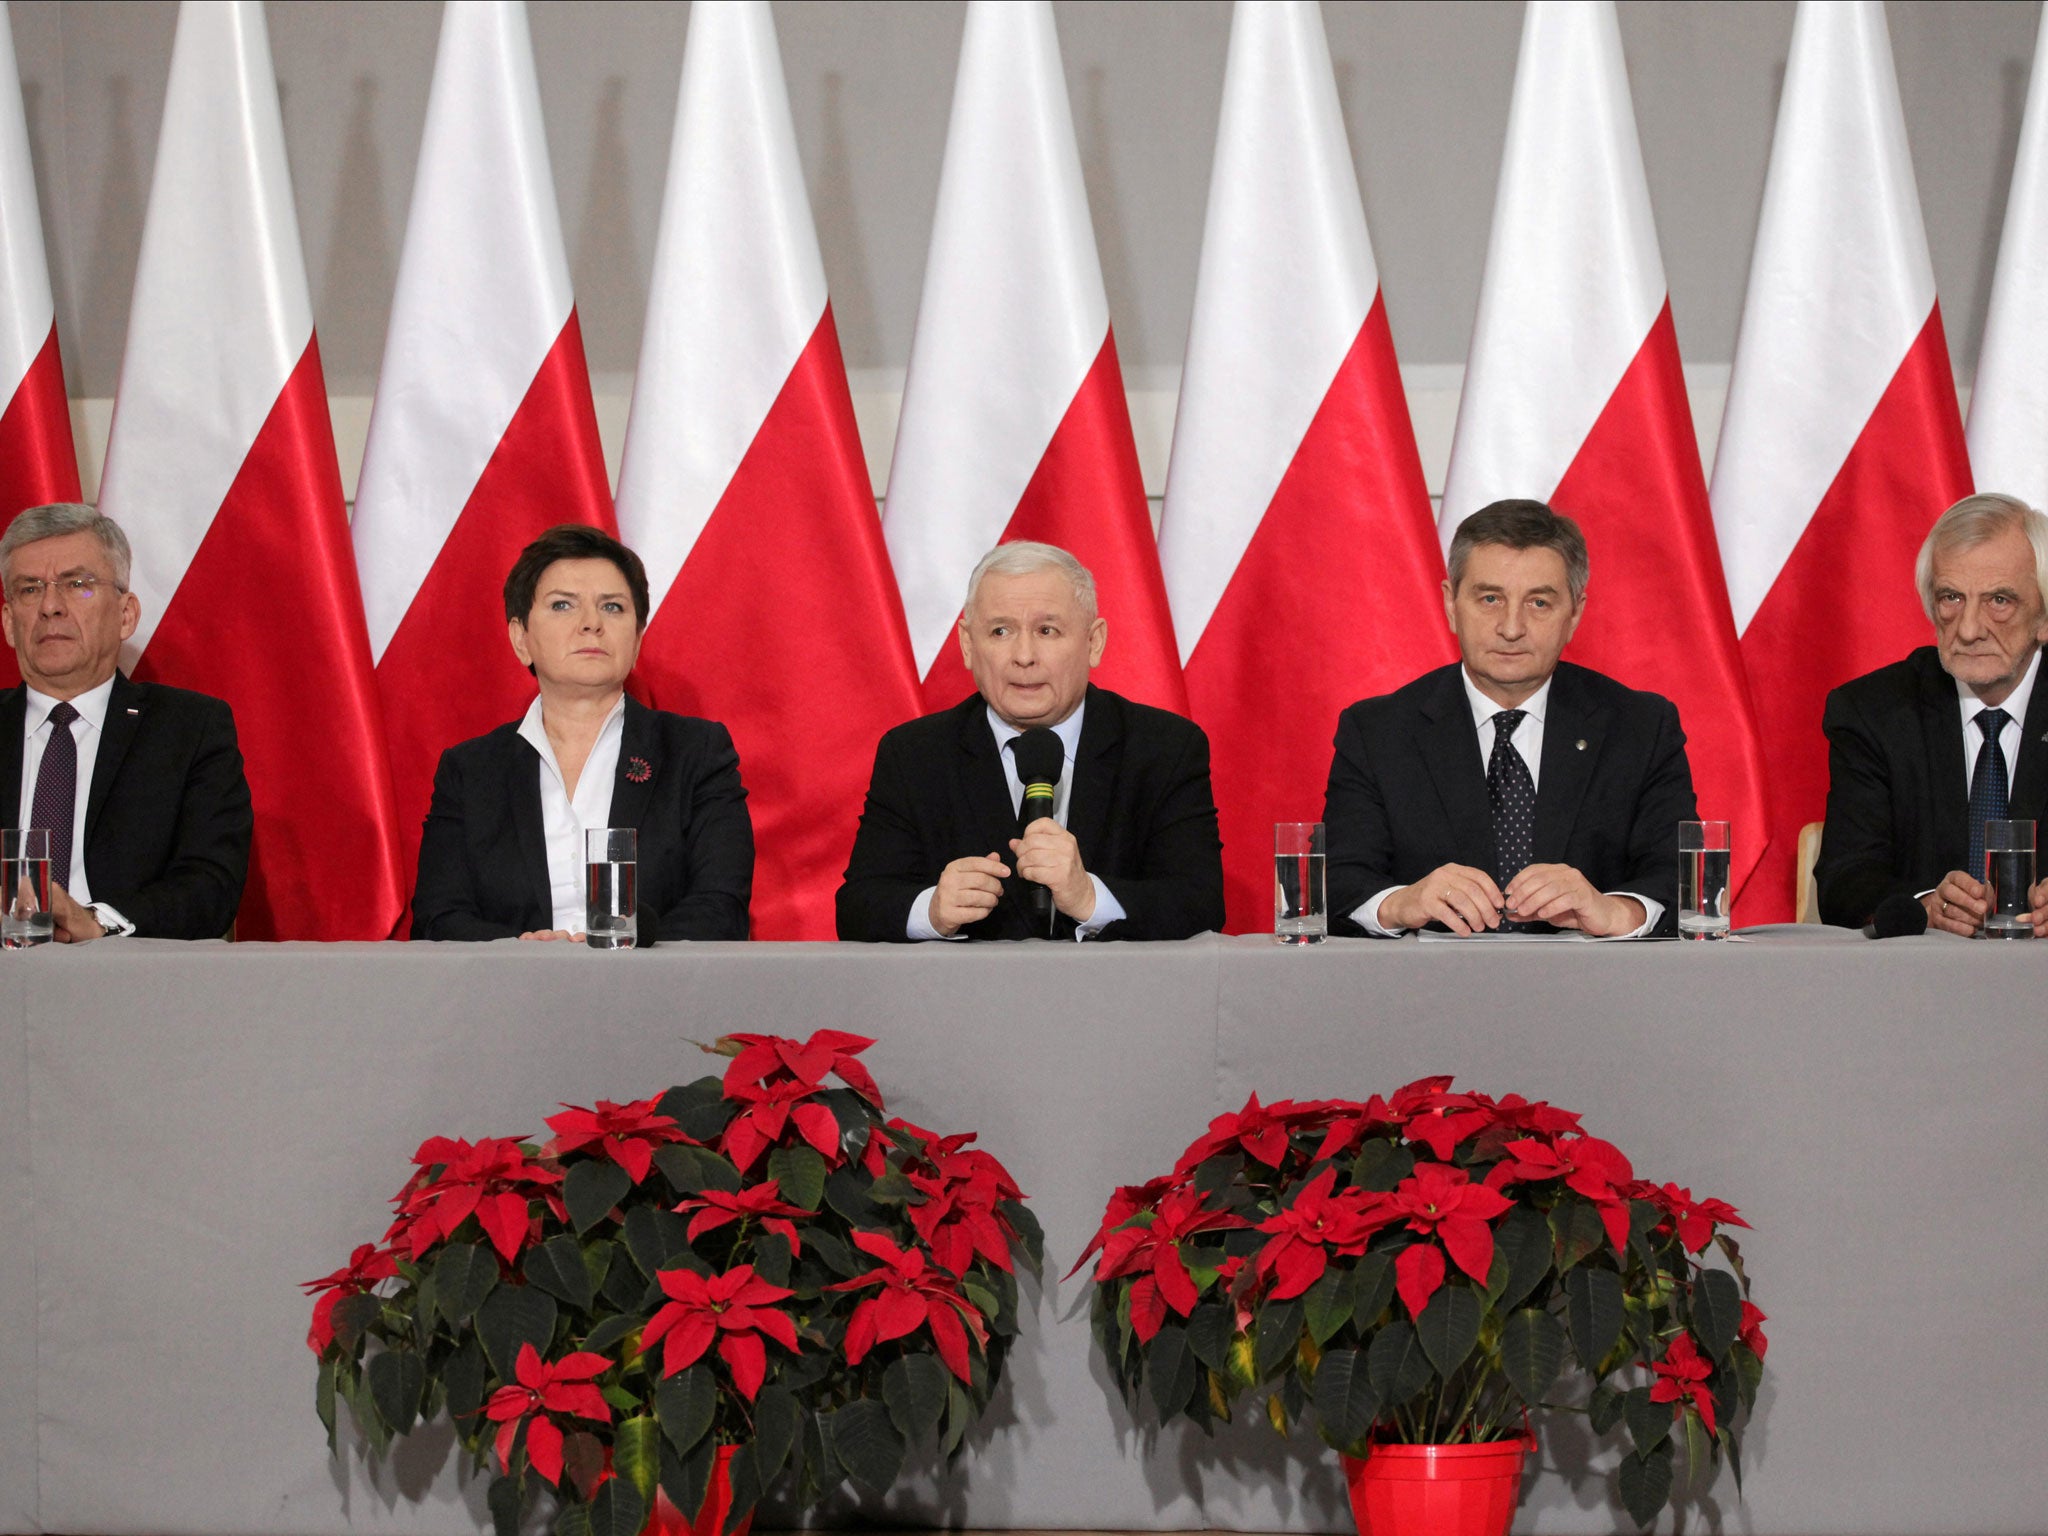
(700, 1109)
(1646, 1485)
(1210, 1330)
(914, 1389)
(1523, 1238)
(799, 1173)
(1170, 1371)
(686, 1479)
(1381, 1164)
(352, 1317)
(572, 1520)
(867, 1444)
(1030, 1235)
(609, 1332)
(776, 1413)
(464, 1274)
(397, 1378)
(583, 1461)
(557, 1267)
(1603, 1409)
(1326, 1306)
(1649, 1424)
(1396, 1365)
(1278, 1336)
(511, 1316)
(1449, 1327)
(692, 1170)
(655, 1237)
(1716, 1312)
(636, 1453)
(618, 1508)
(462, 1374)
(1372, 1289)
(1532, 1346)
(591, 1189)
(1345, 1402)
(846, 1192)
(743, 1478)
(1595, 1308)
(1576, 1229)
(960, 1416)
(685, 1404)
(507, 1503)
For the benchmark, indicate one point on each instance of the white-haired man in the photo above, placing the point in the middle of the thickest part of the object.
(1923, 752)
(1131, 849)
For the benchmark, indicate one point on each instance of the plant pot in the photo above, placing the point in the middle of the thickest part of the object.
(1437, 1490)
(667, 1520)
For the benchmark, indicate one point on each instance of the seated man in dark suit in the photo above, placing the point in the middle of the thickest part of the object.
(1131, 850)
(140, 785)
(1910, 784)
(1508, 788)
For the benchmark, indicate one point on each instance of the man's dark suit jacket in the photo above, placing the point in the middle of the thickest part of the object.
(167, 819)
(1898, 798)
(1141, 810)
(1408, 790)
(483, 856)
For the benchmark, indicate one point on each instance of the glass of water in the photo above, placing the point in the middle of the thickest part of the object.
(610, 916)
(1703, 879)
(1300, 915)
(2009, 874)
(25, 879)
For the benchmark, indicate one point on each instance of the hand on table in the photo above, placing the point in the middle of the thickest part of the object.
(552, 933)
(1959, 903)
(1463, 899)
(968, 891)
(1047, 855)
(74, 924)
(1559, 895)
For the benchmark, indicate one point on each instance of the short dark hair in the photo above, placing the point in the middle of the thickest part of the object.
(1522, 525)
(572, 541)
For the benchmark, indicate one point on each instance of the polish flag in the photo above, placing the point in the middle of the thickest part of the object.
(1297, 542)
(744, 488)
(221, 469)
(1014, 422)
(483, 433)
(37, 461)
(2008, 430)
(1574, 396)
(1842, 441)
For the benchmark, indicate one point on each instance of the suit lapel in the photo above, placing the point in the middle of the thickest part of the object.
(639, 766)
(1941, 728)
(522, 773)
(125, 706)
(13, 715)
(2029, 796)
(1450, 754)
(1573, 736)
(1096, 760)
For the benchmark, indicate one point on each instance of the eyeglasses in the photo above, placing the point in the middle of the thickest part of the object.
(28, 592)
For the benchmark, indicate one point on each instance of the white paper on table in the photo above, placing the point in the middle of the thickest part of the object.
(1564, 936)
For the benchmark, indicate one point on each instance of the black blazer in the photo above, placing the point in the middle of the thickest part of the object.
(1408, 790)
(483, 855)
(167, 819)
(1898, 799)
(1141, 811)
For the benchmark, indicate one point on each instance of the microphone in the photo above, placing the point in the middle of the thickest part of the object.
(1040, 761)
(1898, 915)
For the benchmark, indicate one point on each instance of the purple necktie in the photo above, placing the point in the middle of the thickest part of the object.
(56, 802)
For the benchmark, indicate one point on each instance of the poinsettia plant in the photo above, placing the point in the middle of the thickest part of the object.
(763, 1273)
(1420, 1269)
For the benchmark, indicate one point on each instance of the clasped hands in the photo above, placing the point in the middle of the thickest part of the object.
(1466, 900)
(71, 923)
(1960, 904)
(1046, 855)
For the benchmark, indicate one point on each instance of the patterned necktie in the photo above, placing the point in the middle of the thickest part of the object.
(56, 801)
(1513, 794)
(1987, 785)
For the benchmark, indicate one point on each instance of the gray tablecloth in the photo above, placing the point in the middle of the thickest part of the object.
(187, 1131)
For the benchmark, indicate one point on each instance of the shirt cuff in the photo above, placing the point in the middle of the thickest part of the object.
(115, 925)
(1654, 909)
(1107, 910)
(920, 924)
(1368, 916)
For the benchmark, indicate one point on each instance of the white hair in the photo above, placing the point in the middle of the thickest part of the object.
(1023, 557)
(61, 517)
(1970, 522)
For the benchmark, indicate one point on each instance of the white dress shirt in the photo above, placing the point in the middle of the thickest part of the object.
(2009, 737)
(1527, 743)
(1107, 908)
(86, 731)
(564, 818)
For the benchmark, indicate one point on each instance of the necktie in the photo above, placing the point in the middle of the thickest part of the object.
(56, 801)
(1987, 785)
(1513, 794)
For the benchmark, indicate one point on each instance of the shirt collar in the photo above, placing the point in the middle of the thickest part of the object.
(2014, 704)
(535, 733)
(1068, 730)
(1484, 709)
(91, 706)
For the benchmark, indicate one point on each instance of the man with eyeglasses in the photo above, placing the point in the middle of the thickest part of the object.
(140, 785)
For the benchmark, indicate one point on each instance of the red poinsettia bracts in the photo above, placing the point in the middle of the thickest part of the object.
(770, 1107)
(1695, 1220)
(365, 1267)
(1259, 1129)
(625, 1133)
(1127, 1202)
(1152, 1252)
(910, 1294)
(1751, 1332)
(492, 1180)
(1683, 1374)
(762, 1203)
(1307, 1231)
(765, 1057)
(1590, 1167)
(736, 1308)
(544, 1388)
(1442, 1200)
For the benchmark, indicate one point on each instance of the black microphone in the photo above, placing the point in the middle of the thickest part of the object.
(1040, 759)
(1898, 916)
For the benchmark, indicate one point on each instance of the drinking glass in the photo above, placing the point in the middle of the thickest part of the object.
(25, 880)
(610, 918)
(2008, 874)
(1703, 879)
(1300, 915)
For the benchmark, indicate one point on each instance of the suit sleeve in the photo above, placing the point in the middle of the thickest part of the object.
(1666, 800)
(1178, 891)
(445, 901)
(718, 848)
(201, 886)
(1357, 835)
(889, 866)
(1859, 860)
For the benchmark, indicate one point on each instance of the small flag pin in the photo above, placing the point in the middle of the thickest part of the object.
(1580, 743)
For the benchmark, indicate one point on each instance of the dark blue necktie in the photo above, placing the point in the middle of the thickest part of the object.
(1513, 794)
(56, 801)
(1987, 785)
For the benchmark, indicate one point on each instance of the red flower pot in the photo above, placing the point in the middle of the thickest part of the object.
(1437, 1490)
(667, 1520)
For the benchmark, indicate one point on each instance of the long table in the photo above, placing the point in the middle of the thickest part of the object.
(187, 1131)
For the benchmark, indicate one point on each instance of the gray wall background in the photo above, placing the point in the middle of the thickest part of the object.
(1424, 86)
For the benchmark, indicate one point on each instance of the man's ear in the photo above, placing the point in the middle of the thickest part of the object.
(1098, 640)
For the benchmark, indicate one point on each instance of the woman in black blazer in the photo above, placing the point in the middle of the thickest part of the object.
(502, 855)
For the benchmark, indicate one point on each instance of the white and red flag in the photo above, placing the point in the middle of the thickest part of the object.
(1014, 421)
(2008, 428)
(221, 469)
(1574, 396)
(483, 433)
(744, 489)
(1842, 441)
(1297, 543)
(38, 463)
